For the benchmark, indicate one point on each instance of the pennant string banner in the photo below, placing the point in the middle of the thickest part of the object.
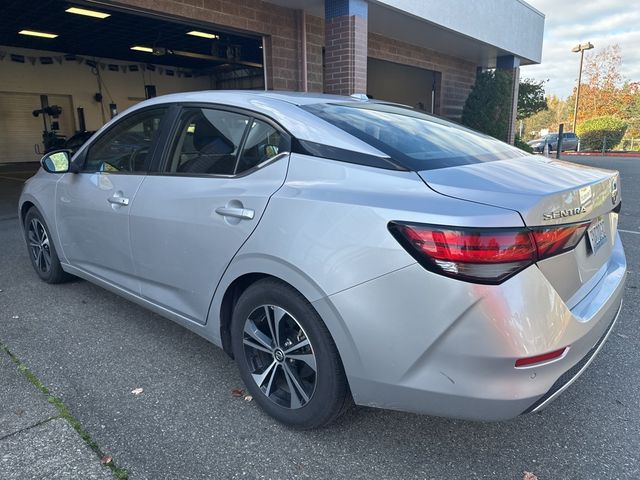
(94, 63)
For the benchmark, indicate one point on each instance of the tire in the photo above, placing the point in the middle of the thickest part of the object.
(313, 371)
(41, 250)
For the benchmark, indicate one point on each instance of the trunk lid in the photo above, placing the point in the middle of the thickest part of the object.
(546, 192)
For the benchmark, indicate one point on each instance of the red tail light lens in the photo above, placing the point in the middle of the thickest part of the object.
(480, 255)
(554, 240)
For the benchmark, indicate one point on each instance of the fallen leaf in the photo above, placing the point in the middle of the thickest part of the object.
(237, 392)
(529, 476)
(137, 391)
(106, 459)
(248, 398)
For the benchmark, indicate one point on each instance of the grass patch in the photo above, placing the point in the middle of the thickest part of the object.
(118, 472)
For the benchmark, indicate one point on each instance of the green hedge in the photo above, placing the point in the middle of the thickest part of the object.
(522, 145)
(594, 131)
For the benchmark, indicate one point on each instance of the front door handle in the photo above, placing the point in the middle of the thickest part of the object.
(122, 201)
(236, 212)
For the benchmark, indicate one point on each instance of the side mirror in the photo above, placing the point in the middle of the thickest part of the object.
(57, 162)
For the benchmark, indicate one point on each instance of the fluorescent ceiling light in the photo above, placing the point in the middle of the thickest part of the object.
(138, 48)
(196, 33)
(87, 13)
(33, 33)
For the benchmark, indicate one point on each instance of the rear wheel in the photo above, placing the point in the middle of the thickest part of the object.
(42, 252)
(286, 356)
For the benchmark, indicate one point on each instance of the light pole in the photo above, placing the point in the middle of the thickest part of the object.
(579, 48)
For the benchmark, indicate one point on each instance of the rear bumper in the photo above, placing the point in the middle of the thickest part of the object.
(428, 344)
(574, 372)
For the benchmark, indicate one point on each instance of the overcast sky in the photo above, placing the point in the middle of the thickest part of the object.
(570, 22)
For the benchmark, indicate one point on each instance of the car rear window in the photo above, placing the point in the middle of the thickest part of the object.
(416, 140)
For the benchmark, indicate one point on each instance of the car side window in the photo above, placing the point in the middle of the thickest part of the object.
(207, 142)
(125, 147)
(263, 143)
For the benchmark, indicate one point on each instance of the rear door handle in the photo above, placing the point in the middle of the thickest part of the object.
(122, 201)
(236, 212)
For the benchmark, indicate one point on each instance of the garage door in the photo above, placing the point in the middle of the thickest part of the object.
(20, 131)
(404, 84)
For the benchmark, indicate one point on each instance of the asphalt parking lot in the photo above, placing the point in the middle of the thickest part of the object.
(92, 348)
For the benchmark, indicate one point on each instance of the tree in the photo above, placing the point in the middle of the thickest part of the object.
(604, 93)
(487, 106)
(601, 94)
(549, 119)
(531, 99)
(631, 108)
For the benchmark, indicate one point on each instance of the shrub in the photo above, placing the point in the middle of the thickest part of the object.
(594, 131)
(522, 145)
(487, 106)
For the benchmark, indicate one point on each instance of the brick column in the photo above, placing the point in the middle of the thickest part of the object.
(511, 65)
(345, 46)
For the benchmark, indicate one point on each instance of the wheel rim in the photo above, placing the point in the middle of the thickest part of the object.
(39, 246)
(280, 356)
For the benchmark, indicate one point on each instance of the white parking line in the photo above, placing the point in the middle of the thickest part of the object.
(628, 231)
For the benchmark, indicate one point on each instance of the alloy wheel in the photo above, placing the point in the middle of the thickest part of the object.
(280, 356)
(39, 245)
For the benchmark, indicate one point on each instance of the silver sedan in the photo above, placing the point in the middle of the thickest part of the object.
(342, 250)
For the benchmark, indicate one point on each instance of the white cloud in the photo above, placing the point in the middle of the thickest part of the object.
(569, 22)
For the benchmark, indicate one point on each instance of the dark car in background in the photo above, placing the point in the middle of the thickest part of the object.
(569, 142)
(73, 143)
(76, 141)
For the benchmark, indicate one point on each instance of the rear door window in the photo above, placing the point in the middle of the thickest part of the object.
(220, 142)
(208, 142)
(262, 144)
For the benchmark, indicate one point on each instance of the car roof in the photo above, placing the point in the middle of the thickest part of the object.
(244, 96)
(282, 107)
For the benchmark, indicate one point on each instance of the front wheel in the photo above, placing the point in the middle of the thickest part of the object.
(42, 252)
(286, 356)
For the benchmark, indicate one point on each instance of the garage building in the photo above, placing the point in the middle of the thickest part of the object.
(93, 59)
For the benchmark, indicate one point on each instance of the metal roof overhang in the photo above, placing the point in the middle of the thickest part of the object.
(477, 32)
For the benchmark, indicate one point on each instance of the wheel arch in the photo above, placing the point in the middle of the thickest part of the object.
(47, 210)
(24, 208)
(248, 269)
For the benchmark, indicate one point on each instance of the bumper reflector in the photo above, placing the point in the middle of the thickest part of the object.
(537, 359)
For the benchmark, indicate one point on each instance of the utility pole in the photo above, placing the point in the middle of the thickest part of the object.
(579, 48)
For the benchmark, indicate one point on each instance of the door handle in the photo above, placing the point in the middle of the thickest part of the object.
(122, 201)
(236, 212)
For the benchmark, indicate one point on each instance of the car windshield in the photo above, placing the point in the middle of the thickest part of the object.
(418, 140)
(552, 137)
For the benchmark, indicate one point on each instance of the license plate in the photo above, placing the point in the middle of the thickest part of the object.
(597, 234)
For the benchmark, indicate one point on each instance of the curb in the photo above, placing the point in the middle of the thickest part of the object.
(606, 154)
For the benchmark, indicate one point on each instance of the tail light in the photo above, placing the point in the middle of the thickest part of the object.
(483, 255)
